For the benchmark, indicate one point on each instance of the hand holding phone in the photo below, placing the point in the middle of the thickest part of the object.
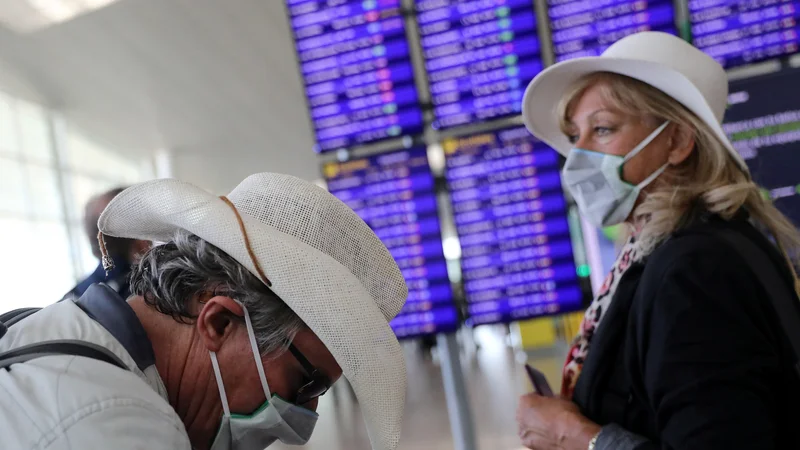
(539, 381)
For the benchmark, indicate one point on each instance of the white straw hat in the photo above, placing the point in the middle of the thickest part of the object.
(661, 60)
(321, 259)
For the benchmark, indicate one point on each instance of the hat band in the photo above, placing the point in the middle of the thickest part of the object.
(247, 241)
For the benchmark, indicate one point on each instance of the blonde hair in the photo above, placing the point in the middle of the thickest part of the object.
(709, 176)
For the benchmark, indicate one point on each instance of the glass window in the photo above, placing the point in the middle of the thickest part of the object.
(81, 189)
(42, 200)
(86, 260)
(40, 267)
(45, 199)
(8, 127)
(12, 188)
(34, 132)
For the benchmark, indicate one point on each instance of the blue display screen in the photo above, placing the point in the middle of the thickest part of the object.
(479, 57)
(763, 122)
(588, 27)
(394, 194)
(511, 217)
(354, 61)
(737, 32)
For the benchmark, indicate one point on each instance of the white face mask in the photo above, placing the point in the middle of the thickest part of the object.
(595, 181)
(275, 419)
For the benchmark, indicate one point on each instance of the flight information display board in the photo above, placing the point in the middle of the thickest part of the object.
(511, 217)
(479, 57)
(588, 27)
(358, 77)
(738, 32)
(394, 193)
(763, 122)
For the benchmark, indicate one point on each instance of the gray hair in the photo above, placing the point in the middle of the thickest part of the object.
(173, 275)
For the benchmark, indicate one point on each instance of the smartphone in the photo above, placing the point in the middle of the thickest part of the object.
(539, 381)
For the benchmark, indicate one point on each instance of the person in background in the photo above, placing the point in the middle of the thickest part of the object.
(682, 348)
(125, 252)
(250, 309)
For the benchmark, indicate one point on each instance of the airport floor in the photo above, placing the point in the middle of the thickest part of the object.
(494, 376)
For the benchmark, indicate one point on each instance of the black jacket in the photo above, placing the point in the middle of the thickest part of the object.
(691, 355)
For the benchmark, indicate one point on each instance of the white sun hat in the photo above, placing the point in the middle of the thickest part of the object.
(661, 60)
(322, 260)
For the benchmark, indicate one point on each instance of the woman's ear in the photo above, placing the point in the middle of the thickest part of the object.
(682, 142)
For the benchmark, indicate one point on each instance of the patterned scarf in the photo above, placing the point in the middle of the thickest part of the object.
(629, 254)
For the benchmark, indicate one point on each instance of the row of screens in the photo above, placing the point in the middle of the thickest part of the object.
(479, 55)
(511, 216)
(763, 122)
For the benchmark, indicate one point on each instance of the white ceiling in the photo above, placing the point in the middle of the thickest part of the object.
(200, 78)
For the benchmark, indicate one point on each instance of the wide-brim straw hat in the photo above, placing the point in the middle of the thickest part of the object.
(319, 257)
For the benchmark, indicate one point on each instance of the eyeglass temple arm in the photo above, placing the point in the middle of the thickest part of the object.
(302, 360)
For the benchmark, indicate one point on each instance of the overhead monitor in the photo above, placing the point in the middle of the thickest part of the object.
(394, 194)
(763, 121)
(511, 217)
(742, 32)
(358, 77)
(588, 28)
(479, 57)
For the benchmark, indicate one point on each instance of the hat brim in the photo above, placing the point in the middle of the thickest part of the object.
(549, 87)
(353, 328)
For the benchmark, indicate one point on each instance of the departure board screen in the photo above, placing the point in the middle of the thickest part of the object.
(479, 57)
(737, 32)
(511, 217)
(763, 122)
(358, 77)
(589, 27)
(394, 194)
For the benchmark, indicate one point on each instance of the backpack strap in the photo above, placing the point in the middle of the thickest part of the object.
(49, 348)
(59, 347)
(783, 299)
(10, 318)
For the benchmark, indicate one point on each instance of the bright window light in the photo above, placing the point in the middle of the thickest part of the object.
(26, 16)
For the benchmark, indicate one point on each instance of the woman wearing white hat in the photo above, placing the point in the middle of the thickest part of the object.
(682, 348)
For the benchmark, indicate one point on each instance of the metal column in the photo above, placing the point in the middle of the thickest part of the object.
(456, 393)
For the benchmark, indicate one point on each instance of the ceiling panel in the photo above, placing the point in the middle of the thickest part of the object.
(192, 76)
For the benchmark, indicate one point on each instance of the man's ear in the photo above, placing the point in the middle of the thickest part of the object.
(215, 320)
(682, 143)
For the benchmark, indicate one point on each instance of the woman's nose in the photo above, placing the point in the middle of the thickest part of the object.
(580, 142)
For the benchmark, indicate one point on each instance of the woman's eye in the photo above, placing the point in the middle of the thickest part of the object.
(602, 131)
(573, 138)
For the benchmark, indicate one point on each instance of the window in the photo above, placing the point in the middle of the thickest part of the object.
(43, 190)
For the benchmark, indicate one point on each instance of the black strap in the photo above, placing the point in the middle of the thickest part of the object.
(50, 348)
(10, 318)
(783, 297)
(62, 347)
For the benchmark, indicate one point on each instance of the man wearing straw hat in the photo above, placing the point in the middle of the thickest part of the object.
(252, 306)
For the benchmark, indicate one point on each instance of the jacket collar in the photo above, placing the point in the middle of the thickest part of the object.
(113, 313)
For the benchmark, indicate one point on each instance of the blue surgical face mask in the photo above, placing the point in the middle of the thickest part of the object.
(595, 181)
(276, 419)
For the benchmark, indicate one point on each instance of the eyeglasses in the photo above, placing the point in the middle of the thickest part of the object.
(318, 384)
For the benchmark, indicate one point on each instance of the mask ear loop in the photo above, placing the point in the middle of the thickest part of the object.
(256, 353)
(653, 176)
(645, 142)
(222, 395)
